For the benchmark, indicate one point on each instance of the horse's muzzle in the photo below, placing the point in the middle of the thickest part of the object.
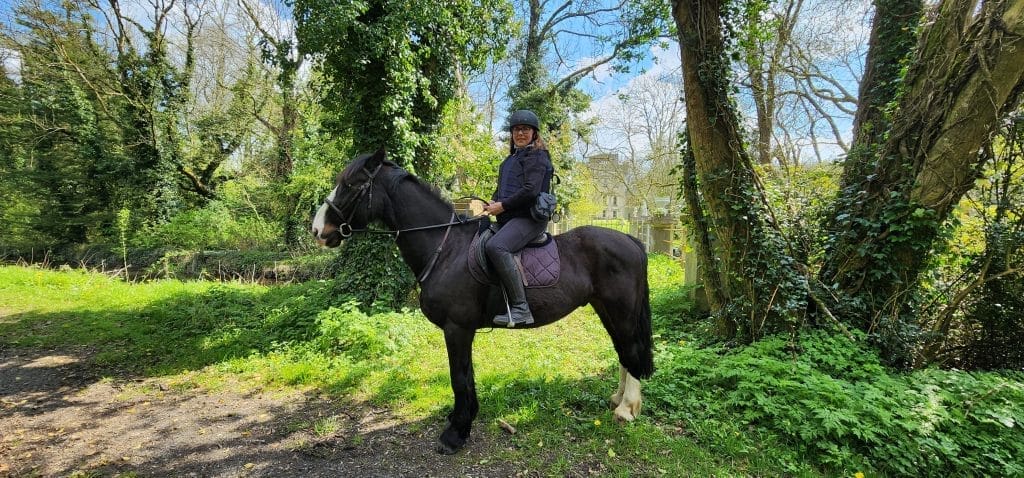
(329, 237)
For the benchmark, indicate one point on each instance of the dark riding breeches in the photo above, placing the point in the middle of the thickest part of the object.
(514, 235)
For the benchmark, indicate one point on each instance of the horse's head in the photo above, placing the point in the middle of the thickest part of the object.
(356, 200)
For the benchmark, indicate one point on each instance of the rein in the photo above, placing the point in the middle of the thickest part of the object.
(454, 221)
(437, 252)
(346, 229)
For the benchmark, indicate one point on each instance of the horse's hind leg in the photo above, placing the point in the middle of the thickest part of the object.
(623, 325)
(627, 400)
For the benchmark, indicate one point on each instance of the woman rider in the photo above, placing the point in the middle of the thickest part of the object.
(523, 175)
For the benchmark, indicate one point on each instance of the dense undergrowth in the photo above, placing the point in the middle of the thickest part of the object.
(827, 400)
(819, 403)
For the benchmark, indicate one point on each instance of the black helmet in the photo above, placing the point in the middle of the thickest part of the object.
(526, 117)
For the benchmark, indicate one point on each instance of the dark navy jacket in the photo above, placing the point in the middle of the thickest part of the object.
(523, 175)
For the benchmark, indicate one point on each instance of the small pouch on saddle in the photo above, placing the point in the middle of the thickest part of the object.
(544, 207)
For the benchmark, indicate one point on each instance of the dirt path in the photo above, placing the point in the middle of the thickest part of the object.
(59, 416)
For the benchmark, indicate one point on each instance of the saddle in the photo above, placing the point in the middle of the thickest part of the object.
(538, 262)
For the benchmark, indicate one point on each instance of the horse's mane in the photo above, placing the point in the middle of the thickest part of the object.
(360, 162)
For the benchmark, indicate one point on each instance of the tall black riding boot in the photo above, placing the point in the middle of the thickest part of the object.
(519, 312)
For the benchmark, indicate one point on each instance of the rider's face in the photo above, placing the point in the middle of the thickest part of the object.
(522, 135)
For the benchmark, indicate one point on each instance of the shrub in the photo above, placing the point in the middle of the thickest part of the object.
(349, 331)
(831, 399)
(370, 271)
(215, 226)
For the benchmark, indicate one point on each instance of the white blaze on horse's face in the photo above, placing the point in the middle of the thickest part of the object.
(320, 220)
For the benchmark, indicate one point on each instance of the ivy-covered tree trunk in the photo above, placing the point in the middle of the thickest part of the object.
(390, 69)
(893, 35)
(917, 150)
(280, 52)
(701, 231)
(761, 290)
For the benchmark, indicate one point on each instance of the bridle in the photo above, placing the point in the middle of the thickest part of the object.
(345, 228)
(366, 189)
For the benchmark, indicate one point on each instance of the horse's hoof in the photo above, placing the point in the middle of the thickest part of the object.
(623, 416)
(450, 442)
(627, 412)
(445, 449)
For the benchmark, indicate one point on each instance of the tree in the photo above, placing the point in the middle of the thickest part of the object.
(136, 111)
(618, 32)
(918, 133)
(392, 67)
(644, 119)
(280, 52)
(796, 62)
(156, 93)
(759, 291)
(917, 146)
(70, 164)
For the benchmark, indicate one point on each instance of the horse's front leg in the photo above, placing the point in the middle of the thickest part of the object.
(459, 342)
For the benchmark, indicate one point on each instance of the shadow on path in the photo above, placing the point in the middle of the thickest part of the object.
(57, 421)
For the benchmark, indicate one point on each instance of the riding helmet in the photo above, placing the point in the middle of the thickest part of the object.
(526, 117)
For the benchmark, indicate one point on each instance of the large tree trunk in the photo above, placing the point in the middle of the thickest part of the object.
(915, 155)
(966, 74)
(893, 35)
(761, 291)
(701, 230)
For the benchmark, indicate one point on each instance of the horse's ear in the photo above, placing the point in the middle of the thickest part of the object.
(377, 158)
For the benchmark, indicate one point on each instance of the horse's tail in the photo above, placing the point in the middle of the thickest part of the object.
(642, 356)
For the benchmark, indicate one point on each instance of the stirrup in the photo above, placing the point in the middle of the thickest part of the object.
(504, 321)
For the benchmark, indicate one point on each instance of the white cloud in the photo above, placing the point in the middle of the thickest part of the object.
(665, 59)
(11, 64)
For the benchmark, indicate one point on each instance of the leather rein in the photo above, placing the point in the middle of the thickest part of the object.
(346, 230)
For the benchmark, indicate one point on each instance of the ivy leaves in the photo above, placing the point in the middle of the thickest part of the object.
(393, 66)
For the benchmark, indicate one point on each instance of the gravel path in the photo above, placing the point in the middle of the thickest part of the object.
(58, 416)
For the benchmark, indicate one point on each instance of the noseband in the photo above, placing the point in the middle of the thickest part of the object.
(345, 228)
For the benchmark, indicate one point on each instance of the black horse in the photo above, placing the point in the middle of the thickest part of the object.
(602, 267)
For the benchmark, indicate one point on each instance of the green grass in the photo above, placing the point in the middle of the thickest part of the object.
(552, 384)
(815, 404)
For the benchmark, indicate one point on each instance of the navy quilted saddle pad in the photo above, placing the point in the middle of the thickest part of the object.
(537, 262)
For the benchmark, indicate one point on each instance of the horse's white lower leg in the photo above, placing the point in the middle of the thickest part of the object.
(617, 396)
(628, 397)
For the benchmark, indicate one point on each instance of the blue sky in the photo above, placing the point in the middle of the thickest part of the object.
(7, 10)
